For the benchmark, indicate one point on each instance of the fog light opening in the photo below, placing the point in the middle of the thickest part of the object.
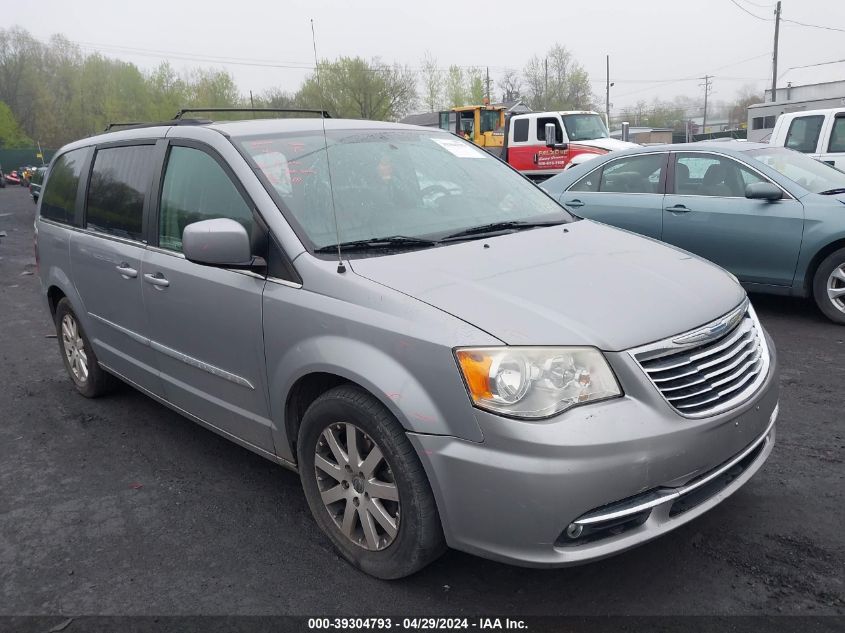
(574, 530)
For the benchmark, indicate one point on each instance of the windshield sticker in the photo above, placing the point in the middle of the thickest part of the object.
(459, 148)
(275, 168)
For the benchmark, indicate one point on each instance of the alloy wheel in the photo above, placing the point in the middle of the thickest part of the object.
(836, 287)
(74, 348)
(357, 486)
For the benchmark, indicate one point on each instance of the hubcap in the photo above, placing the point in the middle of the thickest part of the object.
(836, 288)
(357, 486)
(74, 348)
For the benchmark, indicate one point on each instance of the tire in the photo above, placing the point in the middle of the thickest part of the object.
(829, 278)
(93, 381)
(418, 536)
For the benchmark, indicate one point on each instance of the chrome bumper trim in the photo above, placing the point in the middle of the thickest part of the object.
(665, 495)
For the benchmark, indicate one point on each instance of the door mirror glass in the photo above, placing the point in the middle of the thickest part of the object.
(763, 191)
(550, 135)
(217, 242)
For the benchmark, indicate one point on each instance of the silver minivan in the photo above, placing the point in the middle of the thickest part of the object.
(444, 354)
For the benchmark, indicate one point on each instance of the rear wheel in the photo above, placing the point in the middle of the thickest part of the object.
(366, 486)
(829, 286)
(79, 357)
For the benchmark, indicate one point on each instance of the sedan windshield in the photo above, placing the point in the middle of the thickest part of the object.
(811, 174)
(387, 184)
(584, 127)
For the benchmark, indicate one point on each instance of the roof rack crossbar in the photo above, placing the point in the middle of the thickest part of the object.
(322, 113)
(134, 126)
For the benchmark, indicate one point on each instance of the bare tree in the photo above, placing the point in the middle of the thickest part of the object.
(511, 85)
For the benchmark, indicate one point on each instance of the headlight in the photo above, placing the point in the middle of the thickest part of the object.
(535, 382)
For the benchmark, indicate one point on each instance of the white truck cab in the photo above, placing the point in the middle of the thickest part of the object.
(819, 133)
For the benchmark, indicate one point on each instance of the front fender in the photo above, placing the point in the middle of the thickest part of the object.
(386, 377)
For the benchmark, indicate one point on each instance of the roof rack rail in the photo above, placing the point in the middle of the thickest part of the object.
(322, 113)
(133, 126)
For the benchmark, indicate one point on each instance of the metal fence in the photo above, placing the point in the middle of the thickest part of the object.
(13, 158)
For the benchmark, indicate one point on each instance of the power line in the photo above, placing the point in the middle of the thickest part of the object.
(753, 15)
(813, 26)
(762, 6)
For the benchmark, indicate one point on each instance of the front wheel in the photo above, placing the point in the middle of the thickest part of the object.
(366, 486)
(829, 286)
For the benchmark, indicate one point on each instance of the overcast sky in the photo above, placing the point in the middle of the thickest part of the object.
(651, 43)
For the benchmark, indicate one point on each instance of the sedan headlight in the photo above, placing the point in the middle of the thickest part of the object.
(535, 382)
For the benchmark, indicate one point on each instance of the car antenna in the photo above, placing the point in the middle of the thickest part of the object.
(340, 267)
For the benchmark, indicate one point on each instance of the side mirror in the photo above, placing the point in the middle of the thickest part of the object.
(763, 191)
(218, 242)
(551, 138)
(551, 135)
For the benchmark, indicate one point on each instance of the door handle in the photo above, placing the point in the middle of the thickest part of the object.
(679, 208)
(126, 270)
(574, 203)
(156, 280)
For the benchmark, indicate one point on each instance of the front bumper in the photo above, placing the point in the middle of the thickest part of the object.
(596, 480)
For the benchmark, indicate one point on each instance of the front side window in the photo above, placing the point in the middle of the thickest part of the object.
(634, 174)
(590, 182)
(119, 182)
(803, 134)
(391, 183)
(541, 129)
(837, 135)
(196, 188)
(489, 120)
(59, 198)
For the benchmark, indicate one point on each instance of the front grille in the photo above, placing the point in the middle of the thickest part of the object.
(711, 369)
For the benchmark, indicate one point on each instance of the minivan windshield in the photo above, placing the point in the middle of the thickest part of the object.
(810, 173)
(584, 127)
(388, 183)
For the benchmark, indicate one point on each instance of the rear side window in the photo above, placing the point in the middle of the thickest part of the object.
(520, 131)
(119, 183)
(837, 135)
(58, 201)
(803, 135)
(635, 174)
(197, 188)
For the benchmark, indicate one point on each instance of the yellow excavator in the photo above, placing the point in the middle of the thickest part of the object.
(482, 124)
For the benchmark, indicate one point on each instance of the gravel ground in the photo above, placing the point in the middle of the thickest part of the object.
(120, 506)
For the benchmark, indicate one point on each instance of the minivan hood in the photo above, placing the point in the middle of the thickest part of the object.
(576, 284)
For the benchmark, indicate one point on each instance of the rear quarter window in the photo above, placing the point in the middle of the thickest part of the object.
(58, 202)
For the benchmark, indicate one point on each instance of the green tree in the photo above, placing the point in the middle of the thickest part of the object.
(432, 81)
(12, 135)
(475, 85)
(352, 87)
(456, 94)
(558, 82)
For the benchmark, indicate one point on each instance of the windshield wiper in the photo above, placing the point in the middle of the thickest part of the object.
(832, 192)
(498, 227)
(379, 243)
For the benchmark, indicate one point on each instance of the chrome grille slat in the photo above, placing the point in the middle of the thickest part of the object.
(711, 369)
(680, 362)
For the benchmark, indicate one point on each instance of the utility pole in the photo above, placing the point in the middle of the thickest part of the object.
(707, 86)
(775, 55)
(487, 84)
(546, 83)
(607, 93)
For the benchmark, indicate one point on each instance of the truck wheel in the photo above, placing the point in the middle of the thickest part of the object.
(829, 286)
(366, 486)
(78, 355)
